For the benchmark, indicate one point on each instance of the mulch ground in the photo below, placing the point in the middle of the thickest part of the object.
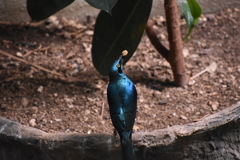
(77, 102)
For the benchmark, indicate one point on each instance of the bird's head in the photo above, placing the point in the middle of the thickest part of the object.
(117, 67)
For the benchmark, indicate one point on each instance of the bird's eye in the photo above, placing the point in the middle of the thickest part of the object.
(118, 65)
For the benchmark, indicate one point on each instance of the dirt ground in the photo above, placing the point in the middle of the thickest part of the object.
(77, 102)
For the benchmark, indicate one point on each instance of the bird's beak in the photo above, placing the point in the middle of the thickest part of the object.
(122, 56)
(121, 60)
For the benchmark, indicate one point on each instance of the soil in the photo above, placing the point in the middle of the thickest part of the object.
(77, 101)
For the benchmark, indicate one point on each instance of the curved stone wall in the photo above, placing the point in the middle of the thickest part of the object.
(214, 137)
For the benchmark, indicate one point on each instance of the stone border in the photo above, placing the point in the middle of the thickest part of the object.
(214, 137)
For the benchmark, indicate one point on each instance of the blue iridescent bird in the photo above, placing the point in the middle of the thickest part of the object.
(122, 100)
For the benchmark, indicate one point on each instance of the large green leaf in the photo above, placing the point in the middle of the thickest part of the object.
(41, 9)
(121, 30)
(105, 5)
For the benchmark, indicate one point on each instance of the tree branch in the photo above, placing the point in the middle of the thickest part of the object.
(155, 40)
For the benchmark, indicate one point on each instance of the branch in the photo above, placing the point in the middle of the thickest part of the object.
(29, 63)
(155, 40)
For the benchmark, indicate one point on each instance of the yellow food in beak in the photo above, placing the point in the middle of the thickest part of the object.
(124, 53)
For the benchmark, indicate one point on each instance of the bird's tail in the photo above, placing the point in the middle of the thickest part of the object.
(127, 147)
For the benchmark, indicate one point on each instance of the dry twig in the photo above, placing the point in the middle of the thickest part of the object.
(40, 48)
(32, 64)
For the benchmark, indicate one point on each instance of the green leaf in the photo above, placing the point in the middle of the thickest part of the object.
(194, 8)
(42, 9)
(191, 11)
(121, 30)
(105, 5)
(187, 14)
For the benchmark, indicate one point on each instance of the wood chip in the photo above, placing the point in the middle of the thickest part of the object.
(40, 89)
(32, 122)
(24, 102)
(19, 54)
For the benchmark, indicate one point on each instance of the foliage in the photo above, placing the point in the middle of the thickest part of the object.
(119, 31)
(191, 11)
(42, 9)
(119, 25)
(105, 5)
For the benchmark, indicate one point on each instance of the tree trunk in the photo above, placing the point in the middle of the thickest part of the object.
(175, 42)
(174, 56)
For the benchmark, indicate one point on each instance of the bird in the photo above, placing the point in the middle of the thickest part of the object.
(122, 101)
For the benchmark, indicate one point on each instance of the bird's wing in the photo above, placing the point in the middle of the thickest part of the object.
(115, 101)
(119, 122)
(122, 103)
(130, 98)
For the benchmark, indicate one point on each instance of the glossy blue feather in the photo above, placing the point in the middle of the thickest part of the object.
(122, 100)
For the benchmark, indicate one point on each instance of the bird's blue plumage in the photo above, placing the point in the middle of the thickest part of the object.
(122, 100)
